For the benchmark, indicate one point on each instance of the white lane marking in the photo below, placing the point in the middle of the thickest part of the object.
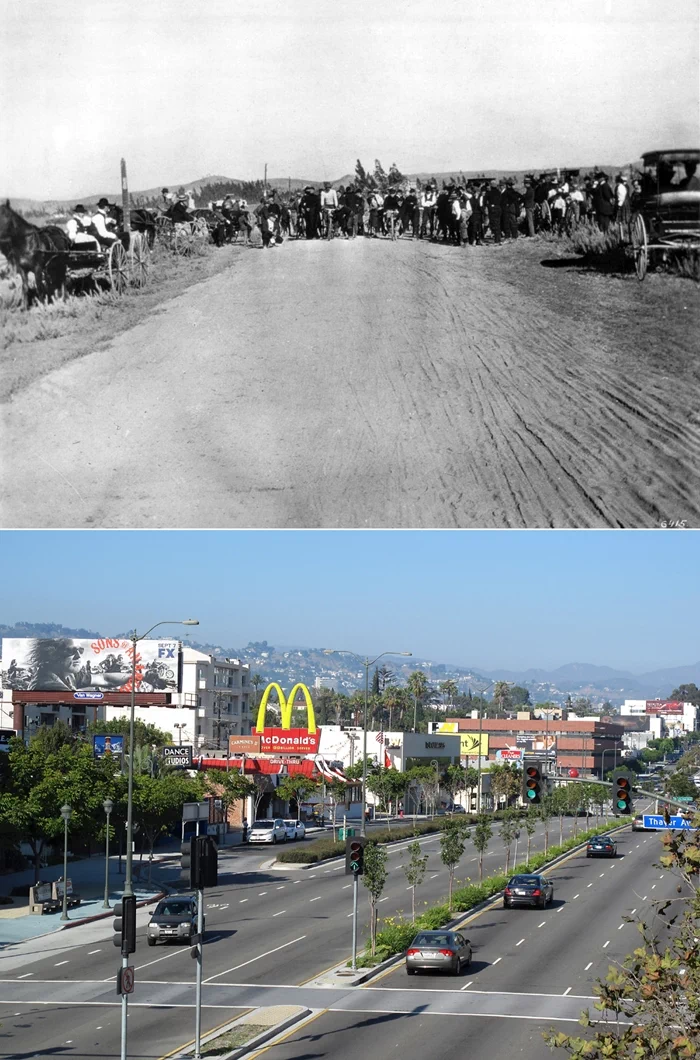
(575, 896)
(98, 1028)
(280, 888)
(602, 874)
(315, 899)
(606, 944)
(138, 968)
(383, 900)
(252, 959)
(637, 847)
(351, 914)
(620, 927)
(589, 965)
(633, 912)
(542, 924)
(653, 886)
(589, 885)
(327, 872)
(244, 900)
(644, 898)
(461, 988)
(409, 887)
(346, 886)
(662, 875)
(261, 893)
(90, 952)
(435, 876)
(25, 975)
(69, 1042)
(280, 913)
(497, 960)
(336, 867)
(59, 963)
(567, 991)
(520, 943)
(312, 877)
(298, 881)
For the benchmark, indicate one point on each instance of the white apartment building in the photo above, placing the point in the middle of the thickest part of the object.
(214, 703)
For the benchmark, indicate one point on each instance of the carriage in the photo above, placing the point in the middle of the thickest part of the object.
(182, 237)
(666, 215)
(125, 262)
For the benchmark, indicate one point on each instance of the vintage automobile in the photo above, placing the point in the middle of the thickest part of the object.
(666, 214)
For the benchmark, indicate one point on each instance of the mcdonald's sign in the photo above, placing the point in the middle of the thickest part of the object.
(286, 739)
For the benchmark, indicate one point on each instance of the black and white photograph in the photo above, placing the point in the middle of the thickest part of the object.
(53, 664)
(389, 265)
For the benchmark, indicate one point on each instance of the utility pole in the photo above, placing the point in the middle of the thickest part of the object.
(265, 181)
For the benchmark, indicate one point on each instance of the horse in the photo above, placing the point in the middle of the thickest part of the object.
(142, 220)
(33, 250)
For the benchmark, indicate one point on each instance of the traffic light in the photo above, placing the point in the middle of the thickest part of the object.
(355, 855)
(125, 925)
(188, 861)
(621, 793)
(206, 863)
(533, 788)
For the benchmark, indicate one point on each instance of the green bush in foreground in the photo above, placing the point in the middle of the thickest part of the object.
(397, 932)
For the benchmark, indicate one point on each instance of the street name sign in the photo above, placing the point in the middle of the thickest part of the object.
(653, 820)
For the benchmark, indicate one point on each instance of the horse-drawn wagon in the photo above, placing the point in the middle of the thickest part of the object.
(126, 261)
(666, 217)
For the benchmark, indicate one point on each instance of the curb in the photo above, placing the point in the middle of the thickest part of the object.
(104, 914)
(271, 1032)
(479, 908)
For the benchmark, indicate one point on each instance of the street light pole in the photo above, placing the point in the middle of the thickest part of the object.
(481, 729)
(108, 807)
(66, 815)
(366, 662)
(135, 638)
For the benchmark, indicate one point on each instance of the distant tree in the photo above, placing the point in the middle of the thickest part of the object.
(395, 175)
(689, 693)
(505, 780)
(386, 677)
(544, 812)
(502, 696)
(229, 786)
(414, 870)
(530, 822)
(679, 785)
(519, 696)
(482, 834)
(375, 682)
(50, 738)
(374, 878)
(448, 690)
(380, 178)
(296, 788)
(452, 840)
(145, 734)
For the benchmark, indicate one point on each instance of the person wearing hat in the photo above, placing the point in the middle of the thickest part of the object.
(428, 200)
(529, 204)
(310, 211)
(622, 201)
(80, 229)
(493, 202)
(603, 202)
(510, 210)
(101, 219)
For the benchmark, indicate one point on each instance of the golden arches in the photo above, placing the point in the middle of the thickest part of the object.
(286, 706)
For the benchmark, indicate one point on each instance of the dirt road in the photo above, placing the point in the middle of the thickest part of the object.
(370, 384)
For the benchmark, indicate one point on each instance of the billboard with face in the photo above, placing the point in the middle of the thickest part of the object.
(56, 664)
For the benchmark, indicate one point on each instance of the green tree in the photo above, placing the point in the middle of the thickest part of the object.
(417, 685)
(530, 821)
(506, 779)
(452, 840)
(600, 796)
(482, 834)
(256, 681)
(689, 693)
(502, 696)
(229, 786)
(507, 832)
(51, 738)
(559, 805)
(145, 734)
(449, 691)
(297, 788)
(519, 696)
(414, 869)
(374, 878)
(454, 780)
(679, 785)
(572, 799)
(158, 802)
(544, 812)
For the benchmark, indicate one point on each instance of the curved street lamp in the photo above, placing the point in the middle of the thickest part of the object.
(66, 813)
(108, 806)
(366, 662)
(135, 638)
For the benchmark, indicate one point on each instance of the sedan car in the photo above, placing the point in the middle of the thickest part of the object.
(174, 919)
(601, 847)
(294, 829)
(638, 823)
(269, 831)
(439, 951)
(528, 889)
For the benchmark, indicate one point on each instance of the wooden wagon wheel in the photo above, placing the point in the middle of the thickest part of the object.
(200, 231)
(638, 238)
(118, 267)
(184, 240)
(140, 260)
(164, 231)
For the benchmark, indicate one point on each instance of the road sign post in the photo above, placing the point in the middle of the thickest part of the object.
(658, 821)
(355, 889)
(198, 987)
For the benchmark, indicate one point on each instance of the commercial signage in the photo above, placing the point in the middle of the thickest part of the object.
(653, 820)
(178, 757)
(249, 745)
(663, 706)
(57, 664)
(435, 745)
(104, 746)
(468, 741)
(286, 739)
(195, 811)
(88, 695)
(509, 755)
(5, 736)
(536, 743)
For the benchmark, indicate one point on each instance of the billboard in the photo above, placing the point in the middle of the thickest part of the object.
(244, 745)
(102, 746)
(663, 706)
(469, 744)
(178, 757)
(286, 739)
(57, 664)
(509, 755)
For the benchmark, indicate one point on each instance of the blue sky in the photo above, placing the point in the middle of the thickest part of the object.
(183, 89)
(485, 599)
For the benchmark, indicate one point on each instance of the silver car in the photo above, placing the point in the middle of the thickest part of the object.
(294, 829)
(269, 831)
(439, 951)
(174, 919)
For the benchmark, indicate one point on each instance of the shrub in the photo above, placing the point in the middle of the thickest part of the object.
(432, 919)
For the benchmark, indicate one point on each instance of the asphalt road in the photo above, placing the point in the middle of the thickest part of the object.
(372, 384)
(270, 931)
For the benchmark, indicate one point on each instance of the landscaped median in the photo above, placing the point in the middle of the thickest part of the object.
(247, 1032)
(324, 849)
(396, 933)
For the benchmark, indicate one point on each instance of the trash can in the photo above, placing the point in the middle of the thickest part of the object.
(345, 833)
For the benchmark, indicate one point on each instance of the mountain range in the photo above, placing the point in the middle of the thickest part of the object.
(287, 665)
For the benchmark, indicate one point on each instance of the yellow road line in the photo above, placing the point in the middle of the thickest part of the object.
(292, 1030)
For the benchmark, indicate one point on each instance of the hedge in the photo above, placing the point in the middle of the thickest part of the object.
(321, 849)
(397, 932)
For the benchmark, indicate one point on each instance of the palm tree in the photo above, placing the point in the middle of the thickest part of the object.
(501, 695)
(256, 681)
(418, 687)
(449, 691)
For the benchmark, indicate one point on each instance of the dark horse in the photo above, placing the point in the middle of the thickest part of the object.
(142, 220)
(33, 250)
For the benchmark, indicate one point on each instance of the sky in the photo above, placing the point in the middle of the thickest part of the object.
(184, 89)
(485, 599)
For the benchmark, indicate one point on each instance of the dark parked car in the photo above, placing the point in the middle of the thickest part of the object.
(528, 889)
(174, 918)
(439, 951)
(601, 847)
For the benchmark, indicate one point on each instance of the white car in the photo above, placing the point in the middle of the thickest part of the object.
(270, 831)
(294, 829)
